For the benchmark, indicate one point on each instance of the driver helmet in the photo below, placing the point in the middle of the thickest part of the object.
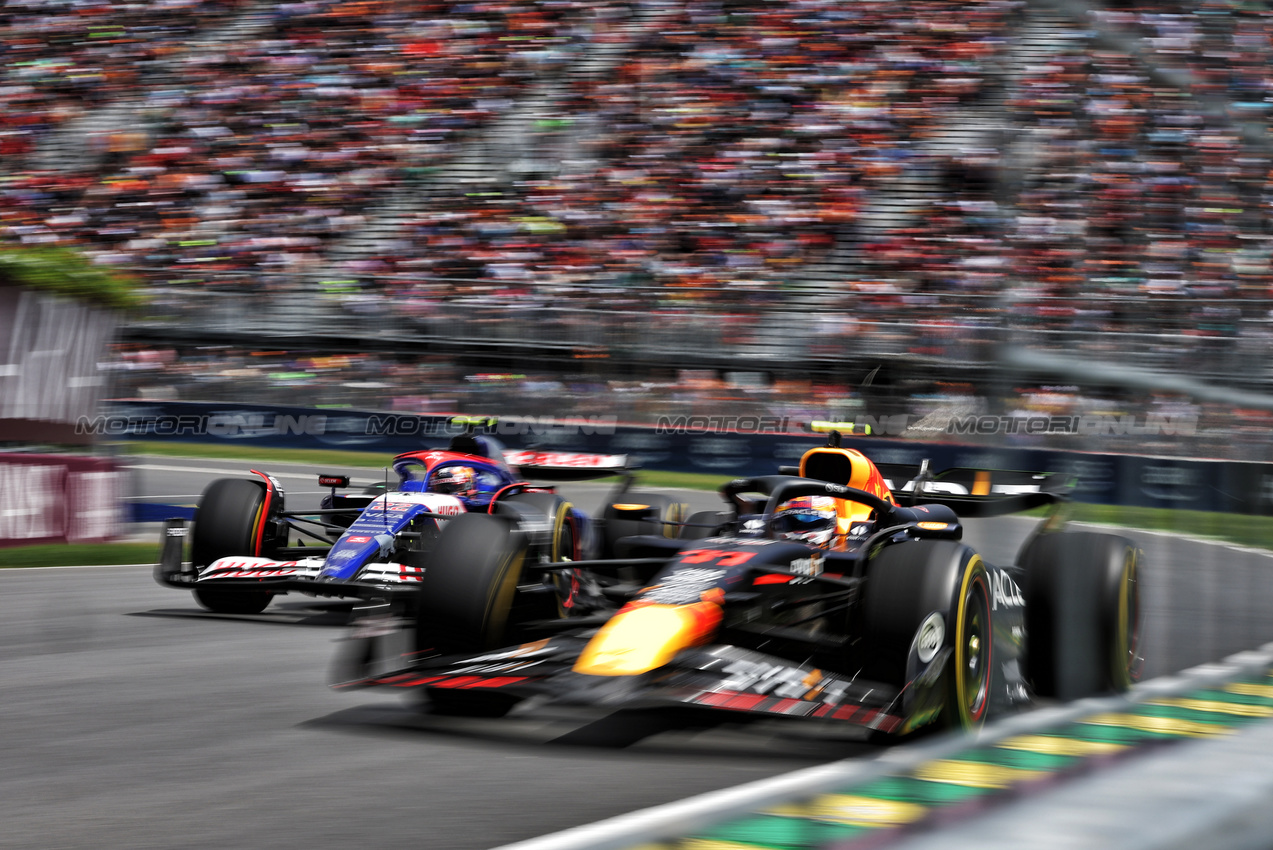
(808, 519)
(453, 480)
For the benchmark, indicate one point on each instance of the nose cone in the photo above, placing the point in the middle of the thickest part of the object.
(643, 638)
(348, 555)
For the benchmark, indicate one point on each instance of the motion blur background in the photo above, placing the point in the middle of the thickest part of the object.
(912, 212)
(809, 208)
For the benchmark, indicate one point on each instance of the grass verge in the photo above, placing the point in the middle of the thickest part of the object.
(68, 554)
(1243, 529)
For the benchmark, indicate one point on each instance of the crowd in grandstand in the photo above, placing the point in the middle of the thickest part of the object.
(733, 144)
(723, 150)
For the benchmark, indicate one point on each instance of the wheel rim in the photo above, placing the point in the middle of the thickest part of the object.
(566, 581)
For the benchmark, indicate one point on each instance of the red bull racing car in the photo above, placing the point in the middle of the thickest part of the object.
(377, 543)
(814, 595)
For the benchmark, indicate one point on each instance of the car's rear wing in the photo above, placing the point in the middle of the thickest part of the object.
(565, 466)
(973, 492)
(972, 481)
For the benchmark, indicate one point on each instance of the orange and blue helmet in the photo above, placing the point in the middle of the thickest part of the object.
(808, 519)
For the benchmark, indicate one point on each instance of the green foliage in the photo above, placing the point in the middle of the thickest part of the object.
(94, 554)
(68, 273)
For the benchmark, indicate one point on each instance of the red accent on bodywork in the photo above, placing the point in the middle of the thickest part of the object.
(432, 457)
(520, 487)
(890, 723)
(393, 680)
(772, 578)
(462, 682)
(497, 682)
(718, 699)
(746, 702)
(265, 510)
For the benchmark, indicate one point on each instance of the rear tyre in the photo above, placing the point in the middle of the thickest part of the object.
(640, 513)
(1083, 617)
(228, 522)
(906, 584)
(562, 545)
(467, 590)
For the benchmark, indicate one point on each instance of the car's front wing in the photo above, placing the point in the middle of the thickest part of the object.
(373, 581)
(713, 678)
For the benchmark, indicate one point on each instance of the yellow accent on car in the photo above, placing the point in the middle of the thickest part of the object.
(639, 640)
(629, 507)
(823, 427)
(933, 526)
(981, 483)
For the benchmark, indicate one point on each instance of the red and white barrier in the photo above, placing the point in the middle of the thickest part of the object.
(59, 499)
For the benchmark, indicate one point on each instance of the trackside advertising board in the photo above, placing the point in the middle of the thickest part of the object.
(1130, 480)
(59, 499)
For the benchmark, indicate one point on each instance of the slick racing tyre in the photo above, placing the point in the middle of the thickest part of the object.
(907, 583)
(640, 513)
(229, 521)
(1083, 617)
(564, 539)
(467, 590)
(564, 544)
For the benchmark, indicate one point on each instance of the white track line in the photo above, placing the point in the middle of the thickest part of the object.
(661, 822)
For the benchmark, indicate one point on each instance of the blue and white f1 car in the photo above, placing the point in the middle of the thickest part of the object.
(377, 543)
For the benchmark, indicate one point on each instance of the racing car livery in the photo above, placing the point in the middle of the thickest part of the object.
(377, 543)
(816, 595)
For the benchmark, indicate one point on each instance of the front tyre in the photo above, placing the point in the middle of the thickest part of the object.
(233, 601)
(907, 583)
(467, 590)
(231, 520)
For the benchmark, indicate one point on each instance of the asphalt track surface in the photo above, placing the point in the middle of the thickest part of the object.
(129, 717)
